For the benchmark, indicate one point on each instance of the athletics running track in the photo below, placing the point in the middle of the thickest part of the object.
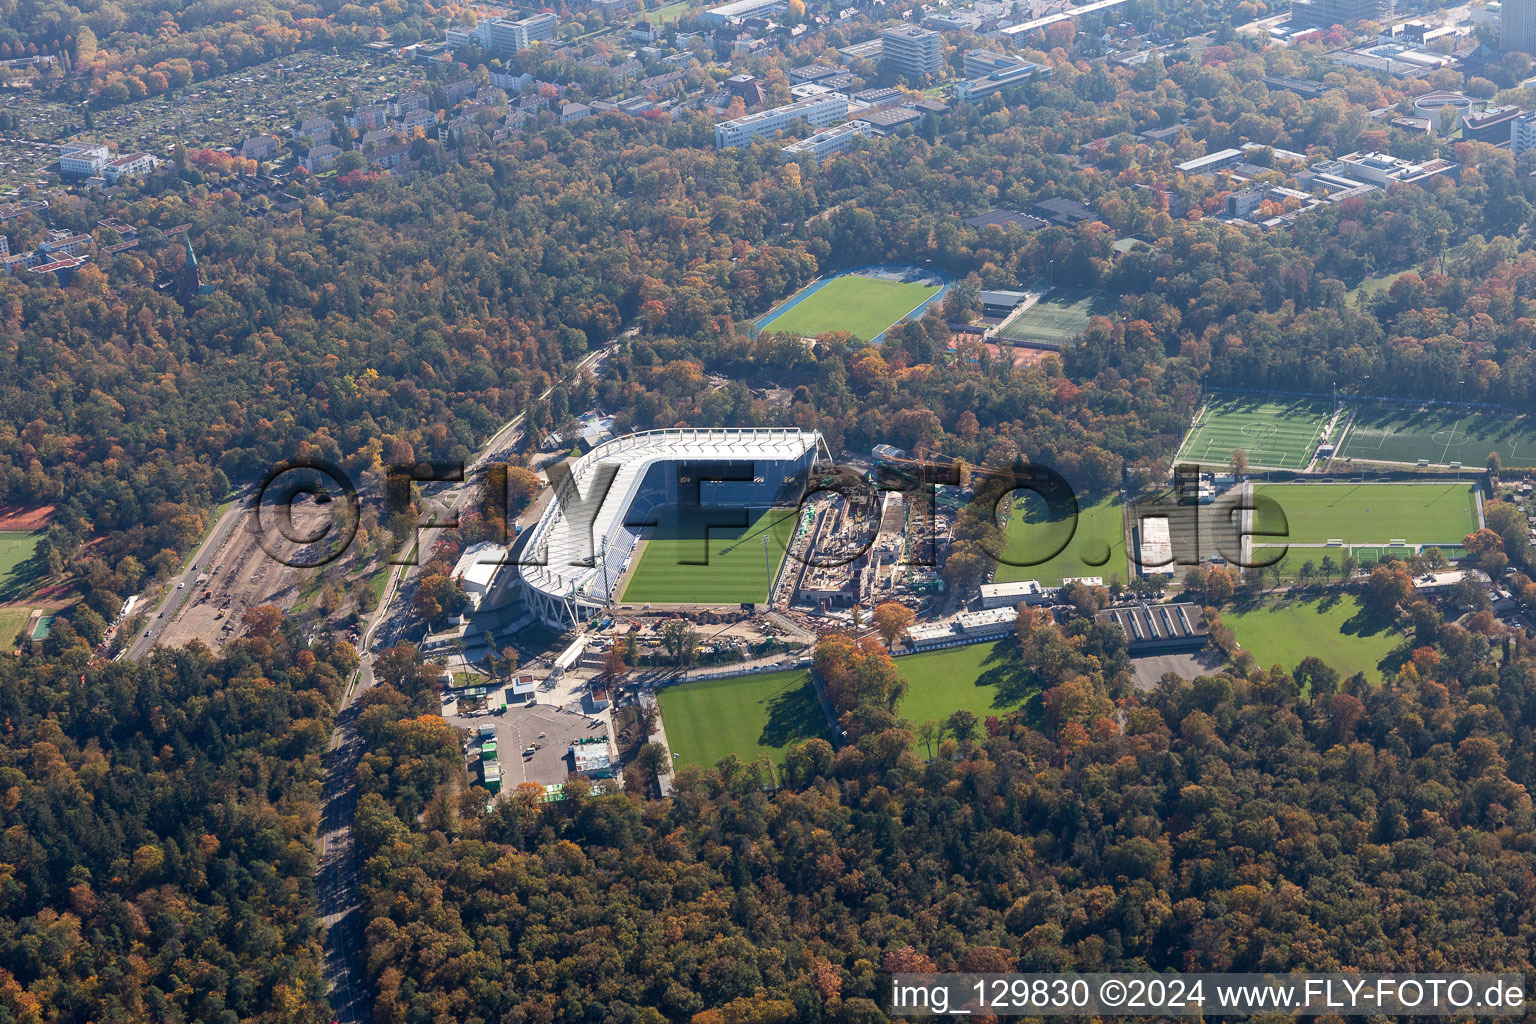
(889, 268)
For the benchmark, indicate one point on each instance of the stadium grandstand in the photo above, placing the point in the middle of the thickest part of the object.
(581, 546)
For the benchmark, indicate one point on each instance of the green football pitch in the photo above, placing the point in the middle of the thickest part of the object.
(1275, 432)
(1439, 435)
(1061, 316)
(1096, 547)
(748, 716)
(1368, 514)
(668, 567)
(984, 679)
(1336, 629)
(863, 306)
(20, 575)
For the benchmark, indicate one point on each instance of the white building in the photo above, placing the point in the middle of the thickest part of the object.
(740, 9)
(321, 157)
(507, 36)
(1011, 595)
(1387, 171)
(573, 112)
(316, 129)
(259, 147)
(1522, 133)
(816, 111)
(82, 159)
(580, 548)
(1015, 73)
(133, 165)
(912, 51)
(827, 143)
(477, 568)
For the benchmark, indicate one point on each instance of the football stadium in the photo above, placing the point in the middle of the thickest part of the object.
(624, 490)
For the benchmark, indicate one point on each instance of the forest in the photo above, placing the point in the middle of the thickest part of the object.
(1242, 822)
(159, 828)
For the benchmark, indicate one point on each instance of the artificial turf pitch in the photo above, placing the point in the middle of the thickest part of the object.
(667, 571)
(1419, 513)
(863, 306)
(748, 716)
(1096, 547)
(1275, 432)
(1060, 316)
(1439, 435)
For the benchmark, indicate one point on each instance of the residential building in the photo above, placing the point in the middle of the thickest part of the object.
(818, 112)
(320, 157)
(1522, 133)
(570, 112)
(316, 129)
(134, 165)
(259, 147)
(912, 51)
(644, 32)
(1517, 26)
(10, 211)
(827, 143)
(82, 159)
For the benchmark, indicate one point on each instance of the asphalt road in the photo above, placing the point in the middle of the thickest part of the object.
(340, 865)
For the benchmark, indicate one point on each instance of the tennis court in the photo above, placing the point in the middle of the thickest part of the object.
(1276, 432)
(1061, 316)
(1370, 515)
(1438, 435)
(735, 568)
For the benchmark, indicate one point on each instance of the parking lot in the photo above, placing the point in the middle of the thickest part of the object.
(553, 729)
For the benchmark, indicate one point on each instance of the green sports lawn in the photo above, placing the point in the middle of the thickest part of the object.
(1422, 513)
(983, 679)
(748, 716)
(863, 306)
(1061, 316)
(735, 572)
(1336, 629)
(1097, 548)
(1439, 435)
(19, 574)
(1276, 432)
(12, 621)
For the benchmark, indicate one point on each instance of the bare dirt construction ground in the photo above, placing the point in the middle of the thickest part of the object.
(242, 575)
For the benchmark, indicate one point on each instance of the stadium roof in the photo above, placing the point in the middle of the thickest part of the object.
(571, 536)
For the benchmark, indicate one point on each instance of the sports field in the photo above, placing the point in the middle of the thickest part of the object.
(19, 574)
(1440, 435)
(12, 621)
(1097, 548)
(1421, 513)
(984, 679)
(748, 716)
(1061, 316)
(667, 569)
(863, 306)
(1336, 629)
(1276, 432)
